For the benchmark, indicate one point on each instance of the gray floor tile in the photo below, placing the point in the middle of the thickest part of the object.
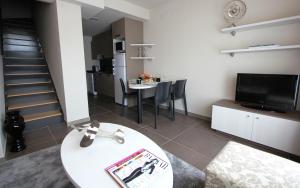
(117, 119)
(39, 137)
(193, 157)
(59, 132)
(187, 137)
(158, 139)
(203, 140)
(34, 140)
(168, 128)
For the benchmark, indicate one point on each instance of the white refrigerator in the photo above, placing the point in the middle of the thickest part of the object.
(119, 71)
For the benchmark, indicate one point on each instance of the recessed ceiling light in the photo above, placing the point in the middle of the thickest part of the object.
(94, 19)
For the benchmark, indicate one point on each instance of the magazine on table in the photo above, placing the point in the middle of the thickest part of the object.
(139, 170)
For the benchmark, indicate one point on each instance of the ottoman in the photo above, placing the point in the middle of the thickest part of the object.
(238, 165)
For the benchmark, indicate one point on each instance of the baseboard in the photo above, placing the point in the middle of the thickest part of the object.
(205, 118)
(84, 120)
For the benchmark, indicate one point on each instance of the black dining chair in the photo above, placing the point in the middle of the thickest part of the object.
(178, 92)
(126, 95)
(162, 95)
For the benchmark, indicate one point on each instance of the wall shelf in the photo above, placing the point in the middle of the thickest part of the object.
(143, 58)
(143, 45)
(259, 49)
(269, 23)
(142, 49)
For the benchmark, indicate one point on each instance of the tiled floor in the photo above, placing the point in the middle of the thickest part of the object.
(187, 137)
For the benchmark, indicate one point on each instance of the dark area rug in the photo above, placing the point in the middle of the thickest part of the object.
(44, 169)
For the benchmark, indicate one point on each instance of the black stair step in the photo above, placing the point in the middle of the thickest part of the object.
(31, 104)
(33, 98)
(25, 73)
(26, 89)
(20, 42)
(30, 93)
(17, 25)
(17, 60)
(25, 65)
(41, 115)
(22, 60)
(21, 48)
(26, 68)
(19, 37)
(18, 22)
(19, 31)
(29, 98)
(22, 54)
(19, 80)
(17, 28)
(24, 83)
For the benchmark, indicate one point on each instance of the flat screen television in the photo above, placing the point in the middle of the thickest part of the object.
(268, 91)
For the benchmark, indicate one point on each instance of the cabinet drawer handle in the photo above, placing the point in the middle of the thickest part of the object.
(257, 118)
(247, 116)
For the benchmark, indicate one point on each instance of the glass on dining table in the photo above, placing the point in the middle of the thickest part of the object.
(138, 81)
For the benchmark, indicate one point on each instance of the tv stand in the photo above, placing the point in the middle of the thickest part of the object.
(260, 107)
(273, 129)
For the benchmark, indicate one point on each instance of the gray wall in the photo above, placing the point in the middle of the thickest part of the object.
(16, 9)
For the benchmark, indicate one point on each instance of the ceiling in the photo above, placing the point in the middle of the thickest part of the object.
(147, 3)
(106, 17)
(103, 23)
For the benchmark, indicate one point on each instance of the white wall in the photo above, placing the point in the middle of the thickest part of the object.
(60, 31)
(188, 40)
(89, 62)
(2, 111)
(131, 10)
(89, 8)
(73, 62)
(47, 27)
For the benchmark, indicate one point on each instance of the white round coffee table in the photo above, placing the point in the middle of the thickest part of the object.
(86, 166)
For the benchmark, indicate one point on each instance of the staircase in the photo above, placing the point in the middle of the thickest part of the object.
(28, 84)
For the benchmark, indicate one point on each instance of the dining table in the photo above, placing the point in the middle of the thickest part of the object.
(140, 87)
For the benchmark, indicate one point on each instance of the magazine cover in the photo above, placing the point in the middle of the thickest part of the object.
(138, 170)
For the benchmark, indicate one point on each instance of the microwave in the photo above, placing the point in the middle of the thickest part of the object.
(120, 46)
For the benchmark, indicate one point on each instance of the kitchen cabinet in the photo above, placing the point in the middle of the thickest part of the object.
(277, 130)
(118, 29)
(129, 31)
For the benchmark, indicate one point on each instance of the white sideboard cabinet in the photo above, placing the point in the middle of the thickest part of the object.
(277, 130)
